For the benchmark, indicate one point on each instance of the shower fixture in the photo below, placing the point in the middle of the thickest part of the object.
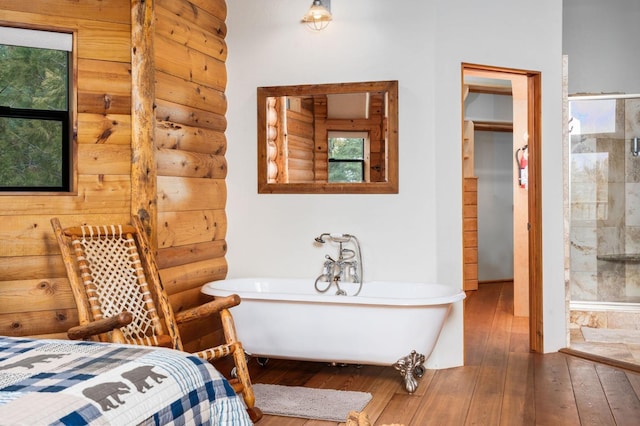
(347, 268)
(635, 146)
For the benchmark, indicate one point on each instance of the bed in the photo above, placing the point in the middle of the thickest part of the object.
(62, 382)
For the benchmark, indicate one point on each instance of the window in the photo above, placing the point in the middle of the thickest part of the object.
(35, 118)
(347, 153)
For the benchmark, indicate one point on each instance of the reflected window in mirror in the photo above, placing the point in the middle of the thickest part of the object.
(348, 153)
(330, 138)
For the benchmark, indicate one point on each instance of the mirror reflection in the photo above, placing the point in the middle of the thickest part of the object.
(328, 138)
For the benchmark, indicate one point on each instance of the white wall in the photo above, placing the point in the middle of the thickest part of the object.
(416, 234)
(600, 39)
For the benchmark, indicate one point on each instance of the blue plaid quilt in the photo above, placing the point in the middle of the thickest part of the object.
(61, 382)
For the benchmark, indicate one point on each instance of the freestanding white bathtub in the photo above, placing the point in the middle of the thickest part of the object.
(388, 323)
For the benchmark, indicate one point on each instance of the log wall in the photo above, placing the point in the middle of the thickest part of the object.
(188, 145)
(300, 144)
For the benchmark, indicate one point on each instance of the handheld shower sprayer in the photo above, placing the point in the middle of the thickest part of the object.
(333, 237)
(320, 239)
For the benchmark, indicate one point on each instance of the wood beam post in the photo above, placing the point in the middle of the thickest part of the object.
(143, 163)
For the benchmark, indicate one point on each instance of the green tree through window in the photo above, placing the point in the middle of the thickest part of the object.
(34, 119)
(346, 159)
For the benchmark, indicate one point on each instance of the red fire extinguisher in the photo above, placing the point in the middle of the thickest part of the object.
(522, 160)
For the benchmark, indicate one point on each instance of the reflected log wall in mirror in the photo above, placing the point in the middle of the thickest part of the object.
(294, 126)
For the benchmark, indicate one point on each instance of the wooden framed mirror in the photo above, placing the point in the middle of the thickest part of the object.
(328, 138)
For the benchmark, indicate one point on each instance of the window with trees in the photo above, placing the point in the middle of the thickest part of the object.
(35, 147)
(347, 152)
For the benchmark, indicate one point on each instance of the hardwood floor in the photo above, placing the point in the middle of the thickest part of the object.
(502, 383)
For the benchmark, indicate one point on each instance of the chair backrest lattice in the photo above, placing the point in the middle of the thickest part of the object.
(114, 280)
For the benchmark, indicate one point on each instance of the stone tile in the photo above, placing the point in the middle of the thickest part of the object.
(632, 239)
(610, 240)
(611, 283)
(583, 249)
(623, 320)
(584, 192)
(589, 319)
(632, 279)
(590, 167)
(611, 335)
(584, 286)
(632, 204)
(632, 165)
(582, 144)
(615, 204)
(614, 150)
(583, 214)
(632, 117)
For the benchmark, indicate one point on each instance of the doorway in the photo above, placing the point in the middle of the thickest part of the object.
(524, 88)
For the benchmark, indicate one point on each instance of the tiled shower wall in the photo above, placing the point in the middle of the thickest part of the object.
(605, 209)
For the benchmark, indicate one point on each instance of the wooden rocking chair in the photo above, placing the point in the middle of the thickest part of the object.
(120, 298)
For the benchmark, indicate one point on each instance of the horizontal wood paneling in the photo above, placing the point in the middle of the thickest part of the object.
(190, 65)
(190, 122)
(104, 87)
(178, 113)
(100, 128)
(183, 32)
(191, 164)
(31, 234)
(96, 40)
(180, 255)
(190, 76)
(190, 138)
(28, 267)
(189, 227)
(104, 159)
(107, 42)
(194, 95)
(187, 277)
(217, 8)
(38, 322)
(104, 77)
(35, 298)
(297, 146)
(209, 14)
(102, 10)
(36, 295)
(179, 194)
(97, 194)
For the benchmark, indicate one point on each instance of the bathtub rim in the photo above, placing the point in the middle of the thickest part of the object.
(213, 288)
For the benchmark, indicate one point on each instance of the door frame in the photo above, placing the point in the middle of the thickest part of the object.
(534, 120)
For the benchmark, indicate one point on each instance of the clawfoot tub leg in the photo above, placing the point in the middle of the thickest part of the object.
(411, 367)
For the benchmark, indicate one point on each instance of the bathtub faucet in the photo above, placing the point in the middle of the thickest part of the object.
(347, 268)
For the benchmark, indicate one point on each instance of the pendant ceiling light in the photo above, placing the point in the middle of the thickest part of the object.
(319, 15)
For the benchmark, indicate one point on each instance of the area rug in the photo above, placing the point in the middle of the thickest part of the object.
(309, 403)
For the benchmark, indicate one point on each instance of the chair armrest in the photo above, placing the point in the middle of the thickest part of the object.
(98, 327)
(207, 309)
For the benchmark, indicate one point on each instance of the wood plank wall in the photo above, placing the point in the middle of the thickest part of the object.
(300, 143)
(375, 125)
(190, 53)
(190, 76)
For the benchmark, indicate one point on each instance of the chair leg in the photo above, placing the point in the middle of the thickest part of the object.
(240, 362)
